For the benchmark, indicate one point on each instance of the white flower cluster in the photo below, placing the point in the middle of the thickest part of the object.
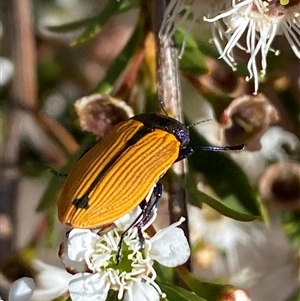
(93, 268)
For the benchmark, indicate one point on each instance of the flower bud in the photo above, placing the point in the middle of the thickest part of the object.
(234, 294)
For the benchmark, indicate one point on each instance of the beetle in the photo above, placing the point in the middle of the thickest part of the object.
(117, 173)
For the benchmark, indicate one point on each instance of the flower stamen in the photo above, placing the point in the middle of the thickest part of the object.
(261, 21)
(133, 273)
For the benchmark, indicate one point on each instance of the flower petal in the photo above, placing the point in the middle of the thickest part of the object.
(169, 246)
(73, 266)
(51, 281)
(88, 287)
(80, 242)
(7, 71)
(142, 291)
(21, 290)
(126, 220)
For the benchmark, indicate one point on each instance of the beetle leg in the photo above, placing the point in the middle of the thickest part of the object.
(143, 218)
(143, 205)
(118, 256)
(141, 236)
(149, 210)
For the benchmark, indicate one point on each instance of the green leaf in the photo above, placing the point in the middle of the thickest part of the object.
(295, 295)
(50, 193)
(112, 296)
(164, 274)
(112, 8)
(291, 226)
(73, 25)
(93, 25)
(118, 66)
(90, 31)
(228, 180)
(175, 293)
(210, 50)
(197, 197)
(50, 237)
(207, 290)
(192, 60)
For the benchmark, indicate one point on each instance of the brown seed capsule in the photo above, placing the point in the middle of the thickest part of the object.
(98, 113)
(280, 185)
(246, 119)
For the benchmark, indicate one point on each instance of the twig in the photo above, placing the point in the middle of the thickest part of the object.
(169, 95)
(23, 92)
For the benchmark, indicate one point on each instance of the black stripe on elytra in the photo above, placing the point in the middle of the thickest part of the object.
(83, 202)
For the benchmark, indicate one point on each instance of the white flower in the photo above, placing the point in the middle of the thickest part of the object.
(251, 256)
(133, 275)
(261, 21)
(225, 234)
(6, 71)
(21, 289)
(51, 282)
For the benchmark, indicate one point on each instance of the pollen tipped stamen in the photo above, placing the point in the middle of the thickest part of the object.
(265, 20)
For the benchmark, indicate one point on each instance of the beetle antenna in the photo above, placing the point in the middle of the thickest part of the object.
(199, 122)
(57, 173)
(216, 148)
(185, 152)
(161, 103)
(162, 107)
